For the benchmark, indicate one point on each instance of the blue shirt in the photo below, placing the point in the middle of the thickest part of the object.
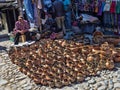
(66, 4)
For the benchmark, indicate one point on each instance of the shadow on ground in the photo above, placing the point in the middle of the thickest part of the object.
(117, 65)
(4, 38)
(3, 48)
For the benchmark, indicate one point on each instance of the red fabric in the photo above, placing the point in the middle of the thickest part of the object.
(113, 7)
(75, 23)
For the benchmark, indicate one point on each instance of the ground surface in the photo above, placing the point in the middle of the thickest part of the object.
(12, 79)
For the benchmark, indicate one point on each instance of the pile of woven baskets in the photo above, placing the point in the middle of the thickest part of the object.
(57, 63)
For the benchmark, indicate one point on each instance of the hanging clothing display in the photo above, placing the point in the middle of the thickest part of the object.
(101, 7)
(96, 7)
(109, 9)
(113, 7)
(39, 4)
(118, 7)
(106, 19)
(107, 6)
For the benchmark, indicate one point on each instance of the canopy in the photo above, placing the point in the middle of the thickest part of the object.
(6, 3)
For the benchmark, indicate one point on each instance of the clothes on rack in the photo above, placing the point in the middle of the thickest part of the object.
(106, 19)
(118, 7)
(109, 9)
(113, 7)
(103, 5)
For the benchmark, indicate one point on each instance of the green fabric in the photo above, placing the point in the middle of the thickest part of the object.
(118, 7)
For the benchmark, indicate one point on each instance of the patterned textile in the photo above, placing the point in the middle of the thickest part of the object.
(21, 26)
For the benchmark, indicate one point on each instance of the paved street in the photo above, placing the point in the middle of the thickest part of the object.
(12, 79)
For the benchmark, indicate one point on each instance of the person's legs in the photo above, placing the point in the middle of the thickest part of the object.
(16, 40)
(68, 20)
(27, 34)
(105, 19)
(63, 24)
(58, 22)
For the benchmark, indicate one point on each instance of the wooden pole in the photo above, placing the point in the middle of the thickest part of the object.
(20, 7)
(39, 16)
(14, 14)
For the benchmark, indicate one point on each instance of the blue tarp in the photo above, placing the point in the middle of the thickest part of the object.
(29, 9)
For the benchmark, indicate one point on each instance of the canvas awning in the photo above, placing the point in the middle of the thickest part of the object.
(6, 3)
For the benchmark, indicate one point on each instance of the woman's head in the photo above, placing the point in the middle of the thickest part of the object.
(20, 18)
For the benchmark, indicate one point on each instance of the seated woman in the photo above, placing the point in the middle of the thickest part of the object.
(21, 27)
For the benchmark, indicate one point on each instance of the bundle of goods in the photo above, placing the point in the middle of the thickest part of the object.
(57, 63)
(111, 39)
(97, 37)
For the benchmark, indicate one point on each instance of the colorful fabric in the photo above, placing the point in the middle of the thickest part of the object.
(22, 26)
(39, 4)
(66, 4)
(107, 7)
(101, 8)
(113, 7)
(107, 18)
(118, 7)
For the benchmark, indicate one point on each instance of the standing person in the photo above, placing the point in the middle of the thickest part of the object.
(67, 8)
(21, 27)
(58, 9)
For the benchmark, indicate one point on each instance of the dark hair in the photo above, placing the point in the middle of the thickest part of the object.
(52, 0)
(20, 16)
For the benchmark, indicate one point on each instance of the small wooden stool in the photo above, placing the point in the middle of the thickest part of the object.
(22, 38)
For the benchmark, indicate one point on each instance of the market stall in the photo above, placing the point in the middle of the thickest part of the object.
(57, 62)
(108, 11)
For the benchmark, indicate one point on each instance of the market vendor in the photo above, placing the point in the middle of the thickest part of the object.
(67, 8)
(59, 12)
(21, 27)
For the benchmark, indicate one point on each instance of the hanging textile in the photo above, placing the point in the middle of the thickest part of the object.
(101, 7)
(39, 4)
(113, 7)
(118, 7)
(96, 7)
(107, 19)
(107, 6)
(29, 9)
(119, 23)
